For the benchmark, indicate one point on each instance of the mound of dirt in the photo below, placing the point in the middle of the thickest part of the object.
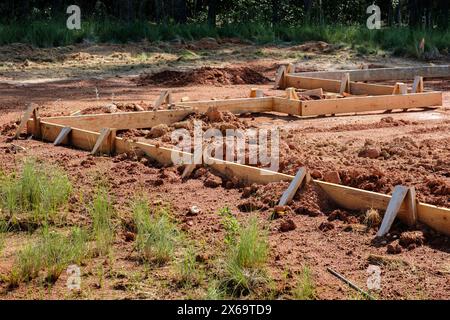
(203, 76)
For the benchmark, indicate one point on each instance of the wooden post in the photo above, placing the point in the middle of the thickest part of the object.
(165, 96)
(27, 116)
(62, 135)
(411, 202)
(345, 84)
(290, 192)
(104, 133)
(279, 79)
(398, 196)
(256, 93)
(417, 85)
(291, 94)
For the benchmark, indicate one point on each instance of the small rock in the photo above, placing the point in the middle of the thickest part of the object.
(182, 125)
(394, 248)
(158, 131)
(332, 177)
(371, 153)
(326, 226)
(129, 236)
(411, 239)
(194, 210)
(213, 181)
(110, 108)
(214, 115)
(287, 225)
(316, 174)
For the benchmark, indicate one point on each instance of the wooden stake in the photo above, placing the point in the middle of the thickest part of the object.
(279, 79)
(291, 94)
(165, 96)
(290, 68)
(398, 196)
(197, 158)
(345, 84)
(418, 84)
(290, 192)
(104, 133)
(27, 116)
(62, 135)
(411, 202)
(256, 93)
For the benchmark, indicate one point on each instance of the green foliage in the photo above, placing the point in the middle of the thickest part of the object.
(188, 268)
(230, 224)
(102, 212)
(305, 289)
(3, 230)
(156, 233)
(246, 259)
(53, 253)
(39, 192)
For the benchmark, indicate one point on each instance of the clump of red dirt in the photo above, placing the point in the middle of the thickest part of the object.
(203, 76)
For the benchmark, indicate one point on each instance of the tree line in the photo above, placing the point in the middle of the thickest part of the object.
(414, 13)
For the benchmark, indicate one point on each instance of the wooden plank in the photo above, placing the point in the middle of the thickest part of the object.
(398, 197)
(356, 88)
(345, 84)
(27, 116)
(380, 74)
(313, 93)
(364, 104)
(290, 192)
(164, 97)
(437, 218)
(235, 106)
(411, 202)
(256, 93)
(417, 85)
(287, 106)
(104, 133)
(280, 77)
(121, 120)
(62, 136)
(291, 94)
(346, 197)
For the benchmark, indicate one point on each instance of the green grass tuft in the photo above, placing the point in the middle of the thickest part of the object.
(156, 233)
(103, 230)
(35, 196)
(305, 288)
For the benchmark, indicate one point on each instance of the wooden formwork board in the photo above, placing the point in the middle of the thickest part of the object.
(381, 74)
(122, 120)
(237, 106)
(374, 103)
(356, 88)
(346, 197)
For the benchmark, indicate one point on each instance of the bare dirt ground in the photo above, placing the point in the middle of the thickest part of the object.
(374, 151)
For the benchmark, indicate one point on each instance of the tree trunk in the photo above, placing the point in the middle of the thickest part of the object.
(212, 13)
(180, 11)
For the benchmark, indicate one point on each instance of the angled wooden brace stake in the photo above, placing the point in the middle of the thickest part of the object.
(345, 84)
(104, 134)
(197, 158)
(279, 79)
(290, 192)
(165, 96)
(62, 135)
(399, 195)
(417, 85)
(31, 111)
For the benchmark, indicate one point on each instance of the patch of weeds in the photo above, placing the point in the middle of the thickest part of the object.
(215, 291)
(188, 269)
(305, 288)
(52, 253)
(156, 233)
(3, 230)
(372, 218)
(246, 259)
(35, 196)
(102, 212)
(231, 226)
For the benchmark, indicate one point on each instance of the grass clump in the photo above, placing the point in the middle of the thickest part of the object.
(246, 259)
(156, 233)
(305, 288)
(52, 253)
(372, 218)
(35, 196)
(102, 212)
(3, 230)
(188, 268)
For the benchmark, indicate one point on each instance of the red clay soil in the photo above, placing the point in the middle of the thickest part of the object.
(203, 76)
(412, 148)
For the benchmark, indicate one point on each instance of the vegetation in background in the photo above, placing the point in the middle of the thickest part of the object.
(399, 40)
(156, 233)
(102, 212)
(188, 268)
(52, 253)
(35, 196)
(305, 289)
(3, 230)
